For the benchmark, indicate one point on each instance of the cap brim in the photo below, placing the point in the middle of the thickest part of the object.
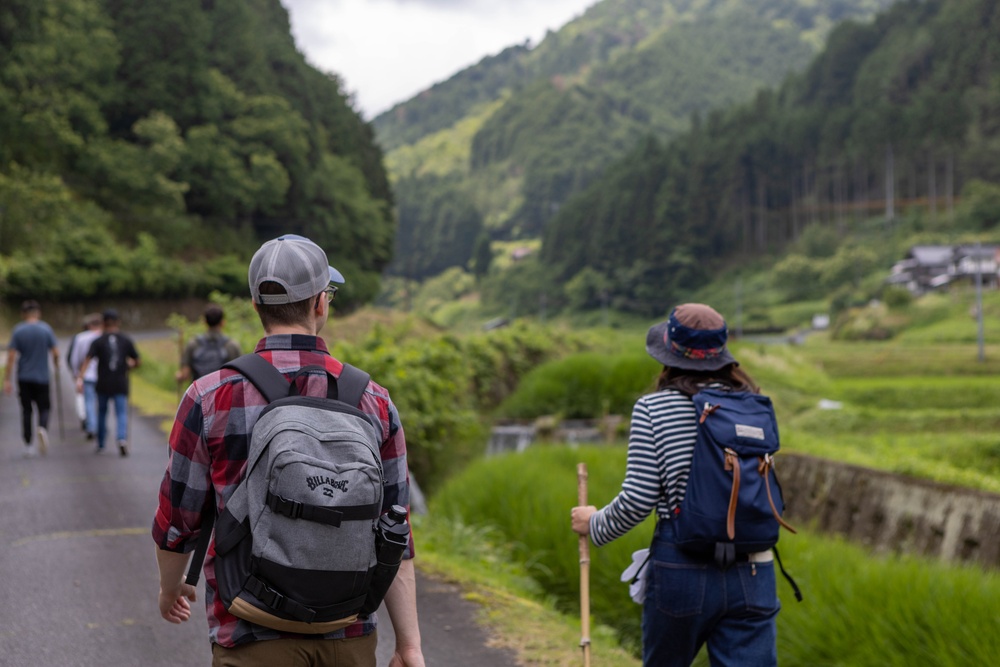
(335, 276)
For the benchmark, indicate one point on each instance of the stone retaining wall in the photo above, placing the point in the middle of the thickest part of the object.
(891, 513)
(881, 510)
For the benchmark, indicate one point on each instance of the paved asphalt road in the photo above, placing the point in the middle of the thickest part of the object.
(79, 576)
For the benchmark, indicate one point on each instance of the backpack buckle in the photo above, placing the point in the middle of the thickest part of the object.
(290, 508)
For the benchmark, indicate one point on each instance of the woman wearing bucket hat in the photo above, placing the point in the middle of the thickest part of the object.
(690, 600)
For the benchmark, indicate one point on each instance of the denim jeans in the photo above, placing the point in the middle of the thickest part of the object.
(90, 404)
(121, 416)
(691, 601)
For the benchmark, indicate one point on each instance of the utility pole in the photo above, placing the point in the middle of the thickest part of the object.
(739, 307)
(890, 183)
(979, 300)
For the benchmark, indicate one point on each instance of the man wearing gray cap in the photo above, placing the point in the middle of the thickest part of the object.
(292, 286)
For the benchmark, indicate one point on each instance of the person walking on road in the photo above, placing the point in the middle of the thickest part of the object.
(689, 599)
(31, 343)
(115, 355)
(209, 351)
(291, 284)
(76, 354)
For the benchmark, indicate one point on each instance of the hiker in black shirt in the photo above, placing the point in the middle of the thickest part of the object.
(116, 355)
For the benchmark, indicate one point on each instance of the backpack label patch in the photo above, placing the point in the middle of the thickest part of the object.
(319, 480)
(754, 432)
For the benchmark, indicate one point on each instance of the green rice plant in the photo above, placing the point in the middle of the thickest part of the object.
(585, 385)
(864, 610)
(791, 380)
(919, 392)
(528, 499)
(520, 614)
(859, 609)
(895, 359)
(963, 458)
(954, 330)
(855, 420)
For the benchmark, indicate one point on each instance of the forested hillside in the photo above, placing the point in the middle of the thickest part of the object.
(148, 146)
(900, 113)
(518, 134)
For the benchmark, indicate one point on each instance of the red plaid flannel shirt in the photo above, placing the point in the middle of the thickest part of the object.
(209, 444)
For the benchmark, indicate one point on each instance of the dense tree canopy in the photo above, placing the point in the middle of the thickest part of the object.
(180, 128)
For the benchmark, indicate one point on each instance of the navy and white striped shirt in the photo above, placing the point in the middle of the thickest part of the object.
(660, 449)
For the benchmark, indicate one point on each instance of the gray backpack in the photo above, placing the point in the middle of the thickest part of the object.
(295, 544)
(208, 355)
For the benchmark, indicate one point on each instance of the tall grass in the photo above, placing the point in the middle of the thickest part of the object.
(528, 499)
(584, 385)
(859, 610)
(920, 392)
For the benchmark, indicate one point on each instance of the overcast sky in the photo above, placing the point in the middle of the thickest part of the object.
(386, 51)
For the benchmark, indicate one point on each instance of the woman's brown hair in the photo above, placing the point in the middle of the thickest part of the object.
(690, 382)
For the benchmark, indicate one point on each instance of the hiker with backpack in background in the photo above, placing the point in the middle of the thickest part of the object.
(77, 351)
(115, 355)
(300, 461)
(207, 352)
(31, 343)
(699, 455)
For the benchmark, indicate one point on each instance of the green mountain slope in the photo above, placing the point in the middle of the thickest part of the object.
(136, 133)
(898, 115)
(548, 120)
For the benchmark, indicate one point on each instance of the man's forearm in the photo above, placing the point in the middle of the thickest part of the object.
(171, 565)
(401, 602)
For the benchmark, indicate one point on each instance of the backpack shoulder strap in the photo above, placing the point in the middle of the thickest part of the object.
(204, 538)
(351, 385)
(273, 385)
(261, 374)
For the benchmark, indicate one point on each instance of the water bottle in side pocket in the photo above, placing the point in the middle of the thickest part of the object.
(392, 536)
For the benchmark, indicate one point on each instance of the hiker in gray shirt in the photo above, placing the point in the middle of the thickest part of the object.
(30, 344)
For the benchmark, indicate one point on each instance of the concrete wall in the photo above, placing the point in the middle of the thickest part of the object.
(890, 512)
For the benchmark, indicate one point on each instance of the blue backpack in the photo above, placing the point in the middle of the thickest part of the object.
(733, 503)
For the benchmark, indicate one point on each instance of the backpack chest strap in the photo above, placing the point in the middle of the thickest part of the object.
(319, 514)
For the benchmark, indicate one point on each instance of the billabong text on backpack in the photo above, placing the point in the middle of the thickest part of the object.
(329, 482)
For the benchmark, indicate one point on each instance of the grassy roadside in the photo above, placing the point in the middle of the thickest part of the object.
(513, 609)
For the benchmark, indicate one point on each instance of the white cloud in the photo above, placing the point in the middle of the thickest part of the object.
(386, 51)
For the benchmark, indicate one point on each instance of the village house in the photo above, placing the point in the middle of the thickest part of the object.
(931, 267)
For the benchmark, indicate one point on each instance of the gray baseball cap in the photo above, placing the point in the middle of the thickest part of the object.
(295, 263)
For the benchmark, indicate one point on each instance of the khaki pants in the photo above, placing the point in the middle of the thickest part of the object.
(353, 652)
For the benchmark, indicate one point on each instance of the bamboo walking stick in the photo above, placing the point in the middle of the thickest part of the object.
(581, 488)
(59, 415)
